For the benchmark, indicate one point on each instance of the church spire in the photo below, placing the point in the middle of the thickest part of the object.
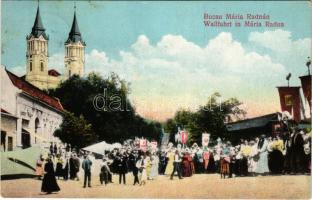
(74, 34)
(38, 29)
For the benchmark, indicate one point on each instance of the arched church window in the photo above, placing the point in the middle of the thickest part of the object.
(30, 66)
(41, 66)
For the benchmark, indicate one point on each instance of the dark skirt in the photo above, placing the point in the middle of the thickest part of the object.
(187, 170)
(225, 167)
(49, 183)
(59, 169)
(243, 166)
(211, 165)
(276, 162)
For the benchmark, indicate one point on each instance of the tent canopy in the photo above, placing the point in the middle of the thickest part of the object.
(101, 147)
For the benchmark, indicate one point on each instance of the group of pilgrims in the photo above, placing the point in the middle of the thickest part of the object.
(289, 153)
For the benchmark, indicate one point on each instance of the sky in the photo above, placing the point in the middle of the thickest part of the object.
(165, 52)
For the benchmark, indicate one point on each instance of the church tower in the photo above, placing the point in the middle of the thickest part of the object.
(37, 54)
(74, 51)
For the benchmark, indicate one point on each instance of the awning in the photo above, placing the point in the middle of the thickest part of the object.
(19, 161)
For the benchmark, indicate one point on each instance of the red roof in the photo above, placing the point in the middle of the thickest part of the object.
(35, 92)
(53, 72)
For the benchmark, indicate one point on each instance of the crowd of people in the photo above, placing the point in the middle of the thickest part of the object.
(289, 153)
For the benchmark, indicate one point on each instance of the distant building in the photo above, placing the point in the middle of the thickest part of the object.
(37, 70)
(254, 127)
(29, 116)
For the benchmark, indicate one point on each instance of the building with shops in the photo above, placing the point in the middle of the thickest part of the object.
(269, 125)
(29, 116)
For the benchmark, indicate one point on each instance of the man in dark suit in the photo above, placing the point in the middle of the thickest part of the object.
(297, 152)
(86, 166)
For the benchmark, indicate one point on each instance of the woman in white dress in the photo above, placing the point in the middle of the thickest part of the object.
(254, 157)
(154, 167)
(263, 165)
(141, 165)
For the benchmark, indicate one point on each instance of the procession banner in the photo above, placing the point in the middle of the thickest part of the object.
(184, 137)
(143, 144)
(155, 76)
(205, 139)
(306, 87)
(290, 101)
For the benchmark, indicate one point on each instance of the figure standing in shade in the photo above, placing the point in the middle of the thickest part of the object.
(49, 183)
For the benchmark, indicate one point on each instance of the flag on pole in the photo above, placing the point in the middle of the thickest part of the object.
(306, 87)
(184, 136)
(290, 101)
(205, 139)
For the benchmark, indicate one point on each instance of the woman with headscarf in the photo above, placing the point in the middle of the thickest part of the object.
(154, 166)
(59, 166)
(186, 165)
(225, 161)
(141, 165)
(39, 167)
(276, 156)
(66, 167)
(49, 183)
(262, 165)
(253, 158)
(170, 157)
(245, 151)
(105, 172)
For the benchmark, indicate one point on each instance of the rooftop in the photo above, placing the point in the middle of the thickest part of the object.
(35, 92)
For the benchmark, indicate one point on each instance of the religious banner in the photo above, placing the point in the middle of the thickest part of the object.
(290, 101)
(177, 137)
(184, 136)
(143, 144)
(165, 139)
(306, 87)
(149, 78)
(205, 139)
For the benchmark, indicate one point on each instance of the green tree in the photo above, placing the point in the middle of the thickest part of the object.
(75, 131)
(112, 125)
(209, 118)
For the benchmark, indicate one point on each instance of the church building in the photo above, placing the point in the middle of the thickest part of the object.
(29, 115)
(37, 54)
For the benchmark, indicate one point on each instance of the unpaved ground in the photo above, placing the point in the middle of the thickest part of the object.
(197, 186)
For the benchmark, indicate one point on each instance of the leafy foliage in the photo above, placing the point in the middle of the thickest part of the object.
(118, 121)
(209, 118)
(76, 131)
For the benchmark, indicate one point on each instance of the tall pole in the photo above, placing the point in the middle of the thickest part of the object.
(308, 63)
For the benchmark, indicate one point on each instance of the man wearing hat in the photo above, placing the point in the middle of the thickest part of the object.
(86, 166)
